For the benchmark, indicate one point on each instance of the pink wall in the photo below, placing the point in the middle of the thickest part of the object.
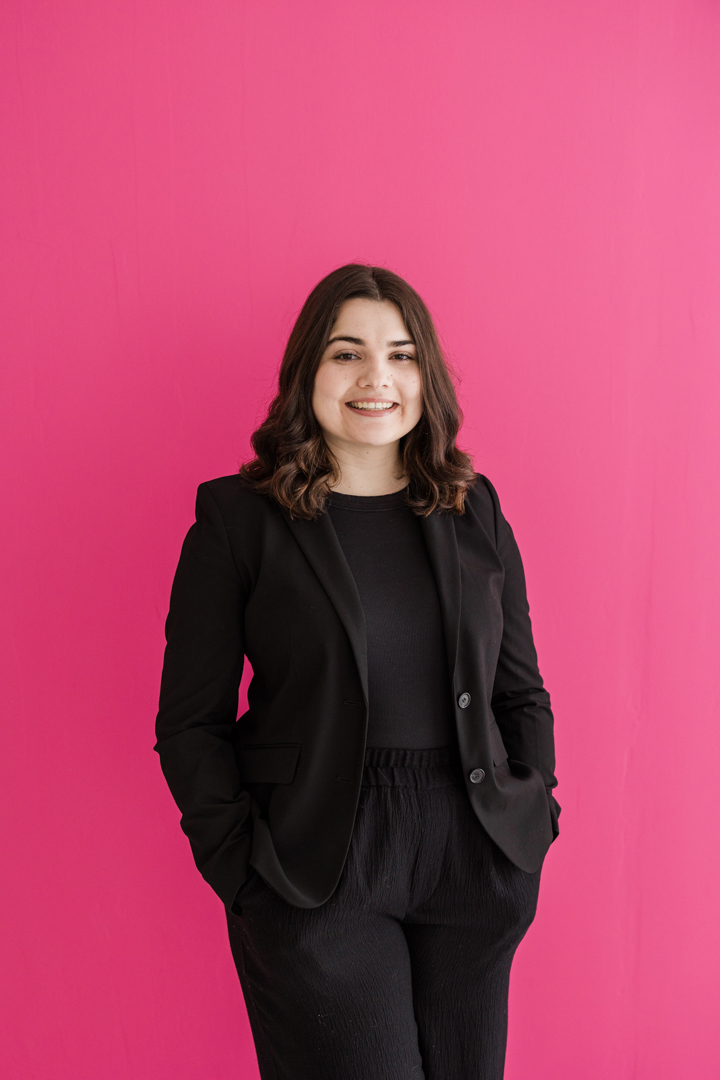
(176, 178)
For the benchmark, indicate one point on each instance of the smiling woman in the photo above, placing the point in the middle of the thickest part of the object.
(376, 822)
(365, 402)
(368, 397)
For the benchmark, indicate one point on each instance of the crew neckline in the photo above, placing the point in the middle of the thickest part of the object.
(368, 502)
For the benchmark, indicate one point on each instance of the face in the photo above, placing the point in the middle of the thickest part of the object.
(368, 390)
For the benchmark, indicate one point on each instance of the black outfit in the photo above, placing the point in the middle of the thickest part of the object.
(278, 789)
(410, 700)
(417, 868)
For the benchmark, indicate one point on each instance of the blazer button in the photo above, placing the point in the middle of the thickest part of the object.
(477, 776)
(464, 700)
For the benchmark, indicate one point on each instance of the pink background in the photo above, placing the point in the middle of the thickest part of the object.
(176, 177)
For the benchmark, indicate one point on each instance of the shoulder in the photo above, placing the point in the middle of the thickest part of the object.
(248, 519)
(234, 498)
(482, 500)
(244, 517)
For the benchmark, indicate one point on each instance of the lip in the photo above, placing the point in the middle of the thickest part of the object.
(373, 412)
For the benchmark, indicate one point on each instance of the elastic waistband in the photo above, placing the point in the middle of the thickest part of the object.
(395, 767)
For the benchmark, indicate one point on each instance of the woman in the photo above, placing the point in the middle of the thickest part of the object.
(376, 822)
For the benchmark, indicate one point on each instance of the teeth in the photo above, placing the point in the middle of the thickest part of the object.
(381, 405)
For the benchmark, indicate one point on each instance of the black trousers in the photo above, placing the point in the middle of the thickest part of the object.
(403, 973)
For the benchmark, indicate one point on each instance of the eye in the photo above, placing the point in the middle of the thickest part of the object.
(403, 356)
(345, 356)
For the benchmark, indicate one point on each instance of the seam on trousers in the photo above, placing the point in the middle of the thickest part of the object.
(269, 1054)
(418, 845)
(448, 837)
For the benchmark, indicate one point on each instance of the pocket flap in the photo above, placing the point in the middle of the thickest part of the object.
(497, 745)
(269, 764)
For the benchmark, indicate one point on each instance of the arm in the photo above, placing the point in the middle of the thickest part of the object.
(519, 701)
(199, 699)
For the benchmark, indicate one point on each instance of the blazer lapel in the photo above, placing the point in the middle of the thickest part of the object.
(322, 550)
(441, 541)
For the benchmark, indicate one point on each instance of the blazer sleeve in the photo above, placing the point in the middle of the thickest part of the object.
(199, 699)
(520, 702)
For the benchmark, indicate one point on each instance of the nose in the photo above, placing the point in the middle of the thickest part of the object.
(376, 373)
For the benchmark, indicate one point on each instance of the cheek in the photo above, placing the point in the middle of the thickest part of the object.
(321, 408)
(414, 395)
(322, 389)
(327, 392)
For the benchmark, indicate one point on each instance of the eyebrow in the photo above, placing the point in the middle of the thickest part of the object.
(359, 341)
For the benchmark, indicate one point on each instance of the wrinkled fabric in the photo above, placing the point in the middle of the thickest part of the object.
(403, 972)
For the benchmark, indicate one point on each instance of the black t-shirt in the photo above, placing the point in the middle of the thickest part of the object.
(409, 684)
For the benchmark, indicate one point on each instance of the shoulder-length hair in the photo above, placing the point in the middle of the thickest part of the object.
(294, 465)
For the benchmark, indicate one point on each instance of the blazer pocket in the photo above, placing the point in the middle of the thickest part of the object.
(499, 753)
(268, 764)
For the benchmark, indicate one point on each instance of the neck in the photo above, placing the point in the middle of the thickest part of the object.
(369, 470)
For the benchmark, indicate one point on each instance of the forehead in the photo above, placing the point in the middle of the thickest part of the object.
(361, 317)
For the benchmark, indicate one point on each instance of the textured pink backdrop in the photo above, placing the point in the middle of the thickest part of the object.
(176, 177)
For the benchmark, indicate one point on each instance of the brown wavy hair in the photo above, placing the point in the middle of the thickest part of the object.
(293, 463)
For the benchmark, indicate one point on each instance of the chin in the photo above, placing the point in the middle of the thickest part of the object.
(374, 437)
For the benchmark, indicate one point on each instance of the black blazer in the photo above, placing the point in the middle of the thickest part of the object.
(278, 788)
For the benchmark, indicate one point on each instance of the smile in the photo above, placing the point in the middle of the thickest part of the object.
(372, 406)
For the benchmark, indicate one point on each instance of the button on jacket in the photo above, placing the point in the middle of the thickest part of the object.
(278, 789)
